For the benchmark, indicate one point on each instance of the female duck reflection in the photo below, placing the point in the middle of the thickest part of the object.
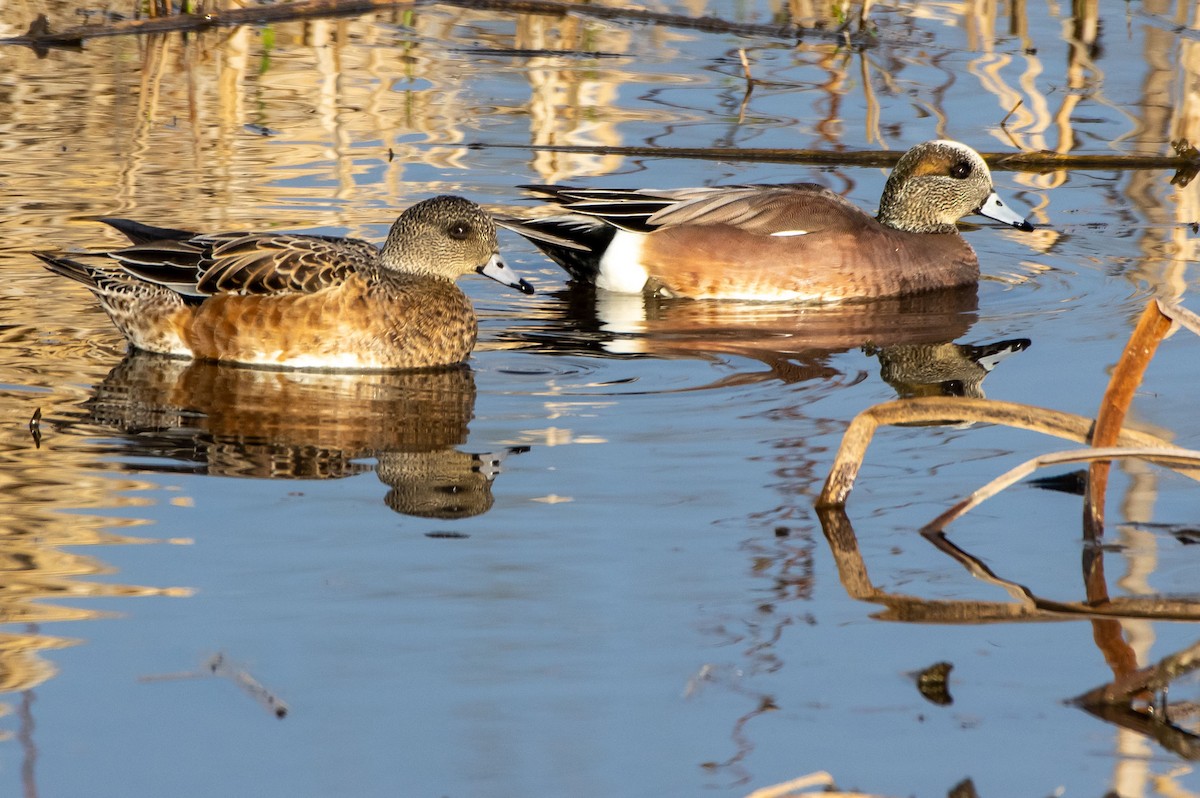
(235, 421)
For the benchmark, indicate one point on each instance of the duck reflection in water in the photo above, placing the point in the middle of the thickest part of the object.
(911, 335)
(227, 420)
(947, 369)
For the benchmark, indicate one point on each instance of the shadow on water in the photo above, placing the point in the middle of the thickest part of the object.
(233, 421)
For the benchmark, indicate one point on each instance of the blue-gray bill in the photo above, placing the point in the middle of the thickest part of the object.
(500, 271)
(994, 208)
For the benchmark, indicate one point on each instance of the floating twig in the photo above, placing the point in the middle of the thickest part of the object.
(1011, 111)
(218, 665)
(40, 36)
(1181, 315)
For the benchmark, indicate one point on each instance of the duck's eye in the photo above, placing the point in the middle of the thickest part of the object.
(459, 231)
(960, 170)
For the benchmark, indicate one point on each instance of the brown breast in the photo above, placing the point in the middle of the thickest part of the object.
(407, 322)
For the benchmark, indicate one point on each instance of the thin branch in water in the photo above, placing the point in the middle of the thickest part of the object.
(746, 68)
(1168, 457)
(749, 85)
(1040, 161)
(955, 410)
(1011, 111)
(218, 665)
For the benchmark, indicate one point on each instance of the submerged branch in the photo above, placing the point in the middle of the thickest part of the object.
(1153, 678)
(1027, 606)
(1181, 457)
(39, 34)
(1115, 701)
(1186, 161)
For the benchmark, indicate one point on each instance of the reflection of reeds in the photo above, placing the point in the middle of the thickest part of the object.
(1118, 701)
(1106, 431)
(38, 562)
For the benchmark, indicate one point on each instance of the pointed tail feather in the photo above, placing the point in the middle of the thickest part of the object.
(67, 267)
(140, 233)
(574, 242)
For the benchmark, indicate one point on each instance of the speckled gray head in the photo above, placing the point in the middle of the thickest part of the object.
(448, 236)
(937, 183)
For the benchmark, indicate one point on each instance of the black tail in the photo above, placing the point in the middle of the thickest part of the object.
(79, 272)
(140, 233)
(574, 242)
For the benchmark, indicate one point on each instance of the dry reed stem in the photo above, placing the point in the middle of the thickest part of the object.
(1149, 331)
(1013, 475)
(1180, 315)
(938, 409)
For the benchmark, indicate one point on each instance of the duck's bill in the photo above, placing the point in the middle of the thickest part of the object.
(499, 271)
(994, 208)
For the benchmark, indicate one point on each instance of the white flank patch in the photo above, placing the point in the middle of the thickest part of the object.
(621, 266)
(787, 233)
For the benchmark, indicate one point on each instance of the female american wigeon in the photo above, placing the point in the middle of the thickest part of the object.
(795, 241)
(300, 301)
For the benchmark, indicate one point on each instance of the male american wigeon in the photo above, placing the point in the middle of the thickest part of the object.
(300, 301)
(796, 241)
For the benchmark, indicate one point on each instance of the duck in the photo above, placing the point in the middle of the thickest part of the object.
(782, 242)
(300, 301)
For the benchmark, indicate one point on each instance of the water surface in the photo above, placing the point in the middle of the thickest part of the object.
(589, 563)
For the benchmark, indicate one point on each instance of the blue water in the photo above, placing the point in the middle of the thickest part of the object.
(642, 600)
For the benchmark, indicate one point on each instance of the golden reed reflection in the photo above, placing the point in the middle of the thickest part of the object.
(244, 422)
(38, 537)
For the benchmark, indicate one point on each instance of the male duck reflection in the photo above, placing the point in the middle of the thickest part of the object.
(300, 301)
(795, 241)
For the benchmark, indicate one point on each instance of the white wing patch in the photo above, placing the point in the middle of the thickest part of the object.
(788, 233)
